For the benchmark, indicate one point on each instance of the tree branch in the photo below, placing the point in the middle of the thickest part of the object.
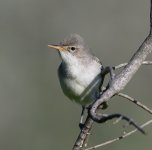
(116, 85)
(80, 142)
(124, 64)
(122, 79)
(120, 137)
(135, 102)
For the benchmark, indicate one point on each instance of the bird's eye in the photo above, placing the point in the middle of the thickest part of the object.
(72, 48)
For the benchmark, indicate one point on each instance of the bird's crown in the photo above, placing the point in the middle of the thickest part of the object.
(73, 40)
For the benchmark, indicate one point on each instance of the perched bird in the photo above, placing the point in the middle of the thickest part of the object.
(79, 72)
(81, 76)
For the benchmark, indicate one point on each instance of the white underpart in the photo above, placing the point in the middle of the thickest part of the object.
(83, 87)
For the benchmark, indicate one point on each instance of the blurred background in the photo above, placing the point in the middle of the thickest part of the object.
(34, 113)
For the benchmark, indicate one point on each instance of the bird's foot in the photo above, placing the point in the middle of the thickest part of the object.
(81, 126)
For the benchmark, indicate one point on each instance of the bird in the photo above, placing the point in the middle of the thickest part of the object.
(81, 75)
(79, 71)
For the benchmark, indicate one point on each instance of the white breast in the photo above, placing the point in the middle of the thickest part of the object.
(80, 83)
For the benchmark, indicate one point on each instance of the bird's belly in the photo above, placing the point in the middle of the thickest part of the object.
(82, 90)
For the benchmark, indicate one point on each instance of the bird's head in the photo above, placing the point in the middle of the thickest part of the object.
(72, 49)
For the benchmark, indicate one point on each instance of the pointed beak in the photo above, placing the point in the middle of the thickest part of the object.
(57, 47)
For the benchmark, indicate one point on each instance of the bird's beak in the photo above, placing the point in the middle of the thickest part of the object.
(57, 47)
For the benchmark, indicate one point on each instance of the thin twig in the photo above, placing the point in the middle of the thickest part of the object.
(135, 102)
(124, 64)
(120, 137)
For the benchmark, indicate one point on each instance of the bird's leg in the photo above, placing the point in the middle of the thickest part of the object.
(112, 75)
(107, 70)
(81, 124)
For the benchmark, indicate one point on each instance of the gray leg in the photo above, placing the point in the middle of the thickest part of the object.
(81, 118)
